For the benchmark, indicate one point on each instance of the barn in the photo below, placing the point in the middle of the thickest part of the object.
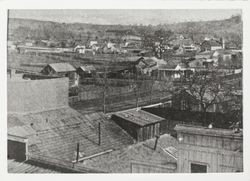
(140, 124)
(62, 70)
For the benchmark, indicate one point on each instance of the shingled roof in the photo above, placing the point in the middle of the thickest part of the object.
(139, 117)
(119, 161)
(87, 68)
(28, 167)
(207, 131)
(56, 133)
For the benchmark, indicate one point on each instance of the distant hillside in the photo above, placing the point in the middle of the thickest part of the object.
(19, 29)
(230, 29)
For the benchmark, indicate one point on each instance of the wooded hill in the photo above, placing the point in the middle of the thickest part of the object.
(19, 29)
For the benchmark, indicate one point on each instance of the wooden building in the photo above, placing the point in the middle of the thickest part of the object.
(203, 149)
(62, 70)
(140, 124)
(86, 71)
(172, 117)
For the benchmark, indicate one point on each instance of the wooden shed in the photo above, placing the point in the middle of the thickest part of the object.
(62, 70)
(203, 149)
(140, 124)
(86, 71)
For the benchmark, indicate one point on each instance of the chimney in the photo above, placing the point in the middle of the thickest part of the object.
(12, 73)
(223, 43)
(156, 141)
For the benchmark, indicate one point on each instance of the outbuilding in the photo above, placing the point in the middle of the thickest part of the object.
(86, 71)
(62, 70)
(140, 124)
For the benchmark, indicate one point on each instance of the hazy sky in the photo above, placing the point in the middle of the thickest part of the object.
(124, 16)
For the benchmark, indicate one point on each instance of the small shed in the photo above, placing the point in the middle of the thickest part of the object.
(62, 70)
(140, 124)
(86, 71)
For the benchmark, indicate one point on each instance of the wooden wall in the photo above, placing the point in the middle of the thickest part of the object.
(152, 168)
(148, 132)
(140, 133)
(220, 154)
(130, 127)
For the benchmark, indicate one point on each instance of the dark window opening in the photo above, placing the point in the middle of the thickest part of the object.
(197, 168)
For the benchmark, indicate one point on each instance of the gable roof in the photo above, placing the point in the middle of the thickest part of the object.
(87, 68)
(149, 62)
(170, 64)
(213, 42)
(119, 161)
(62, 67)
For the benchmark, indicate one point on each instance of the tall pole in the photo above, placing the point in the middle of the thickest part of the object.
(137, 88)
(105, 87)
(156, 141)
(77, 152)
(151, 89)
(99, 133)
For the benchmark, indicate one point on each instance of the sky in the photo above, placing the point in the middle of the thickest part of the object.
(125, 16)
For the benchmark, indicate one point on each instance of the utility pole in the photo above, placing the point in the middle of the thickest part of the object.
(77, 152)
(151, 89)
(105, 87)
(99, 133)
(156, 141)
(137, 88)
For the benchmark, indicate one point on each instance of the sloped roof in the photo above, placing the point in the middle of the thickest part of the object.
(223, 52)
(62, 67)
(197, 63)
(149, 62)
(28, 167)
(87, 68)
(55, 133)
(139, 117)
(119, 161)
(204, 54)
(213, 42)
(171, 64)
(231, 44)
(206, 131)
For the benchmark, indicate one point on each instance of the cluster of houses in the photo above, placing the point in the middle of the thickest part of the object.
(45, 132)
(117, 41)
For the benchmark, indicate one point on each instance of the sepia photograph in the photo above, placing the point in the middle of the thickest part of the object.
(124, 91)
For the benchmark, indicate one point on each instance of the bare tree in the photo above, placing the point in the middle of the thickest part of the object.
(208, 89)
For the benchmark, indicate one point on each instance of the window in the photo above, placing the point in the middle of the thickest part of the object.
(198, 168)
